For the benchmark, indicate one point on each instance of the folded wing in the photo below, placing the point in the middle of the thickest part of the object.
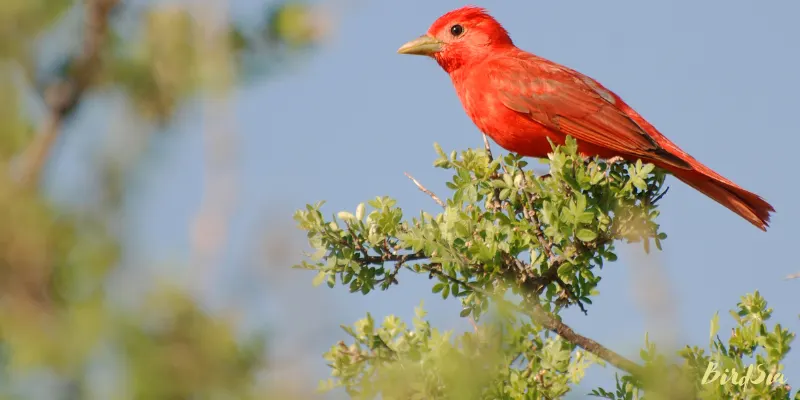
(568, 102)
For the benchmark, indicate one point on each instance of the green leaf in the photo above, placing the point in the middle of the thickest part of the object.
(319, 278)
(646, 169)
(586, 235)
(360, 211)
(714, 327)
(439, 150)
(345, 216)
(639, 183)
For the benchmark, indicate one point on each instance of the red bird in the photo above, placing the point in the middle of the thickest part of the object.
(520, 100)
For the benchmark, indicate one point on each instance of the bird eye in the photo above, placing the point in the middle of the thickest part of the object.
(456, 30)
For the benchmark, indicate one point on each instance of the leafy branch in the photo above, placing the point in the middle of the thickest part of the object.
(525, 247)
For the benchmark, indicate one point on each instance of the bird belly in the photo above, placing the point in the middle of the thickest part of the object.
(511, 130)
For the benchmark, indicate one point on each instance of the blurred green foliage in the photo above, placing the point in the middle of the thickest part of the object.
(518, 249)
(59, 321)
(22, 21)
(506, 243)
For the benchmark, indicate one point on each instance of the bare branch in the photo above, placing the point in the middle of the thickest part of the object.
(487, 147)
(530, 214)
(62, 97)
(496, 204)
(474, 325)
(425, 190)
(553, 324)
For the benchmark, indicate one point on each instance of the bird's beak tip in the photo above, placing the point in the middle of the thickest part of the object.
(422, 46)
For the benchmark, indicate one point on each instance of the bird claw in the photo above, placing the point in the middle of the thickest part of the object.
(610, 162)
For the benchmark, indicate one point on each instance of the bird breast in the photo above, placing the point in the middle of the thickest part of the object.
(510, 129)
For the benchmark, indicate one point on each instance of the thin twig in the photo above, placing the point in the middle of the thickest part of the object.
(657, 198)
(474, 325)
(792, 276)
(530, 214)
(425, 190)
(393, 258)
(496, 203)
(61, 98)
(571, 294)
(551, 274)
(488, 148)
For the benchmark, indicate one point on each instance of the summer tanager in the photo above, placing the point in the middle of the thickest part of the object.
(521, 100)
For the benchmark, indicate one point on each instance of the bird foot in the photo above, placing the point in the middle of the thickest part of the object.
(611, 161)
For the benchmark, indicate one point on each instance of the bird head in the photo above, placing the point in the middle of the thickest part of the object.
(460, 37)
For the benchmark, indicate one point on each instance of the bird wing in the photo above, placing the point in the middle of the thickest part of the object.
(571, 103)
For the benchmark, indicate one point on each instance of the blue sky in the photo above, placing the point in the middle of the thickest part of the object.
(717, 77)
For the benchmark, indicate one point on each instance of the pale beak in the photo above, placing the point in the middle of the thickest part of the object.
(422, 46)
